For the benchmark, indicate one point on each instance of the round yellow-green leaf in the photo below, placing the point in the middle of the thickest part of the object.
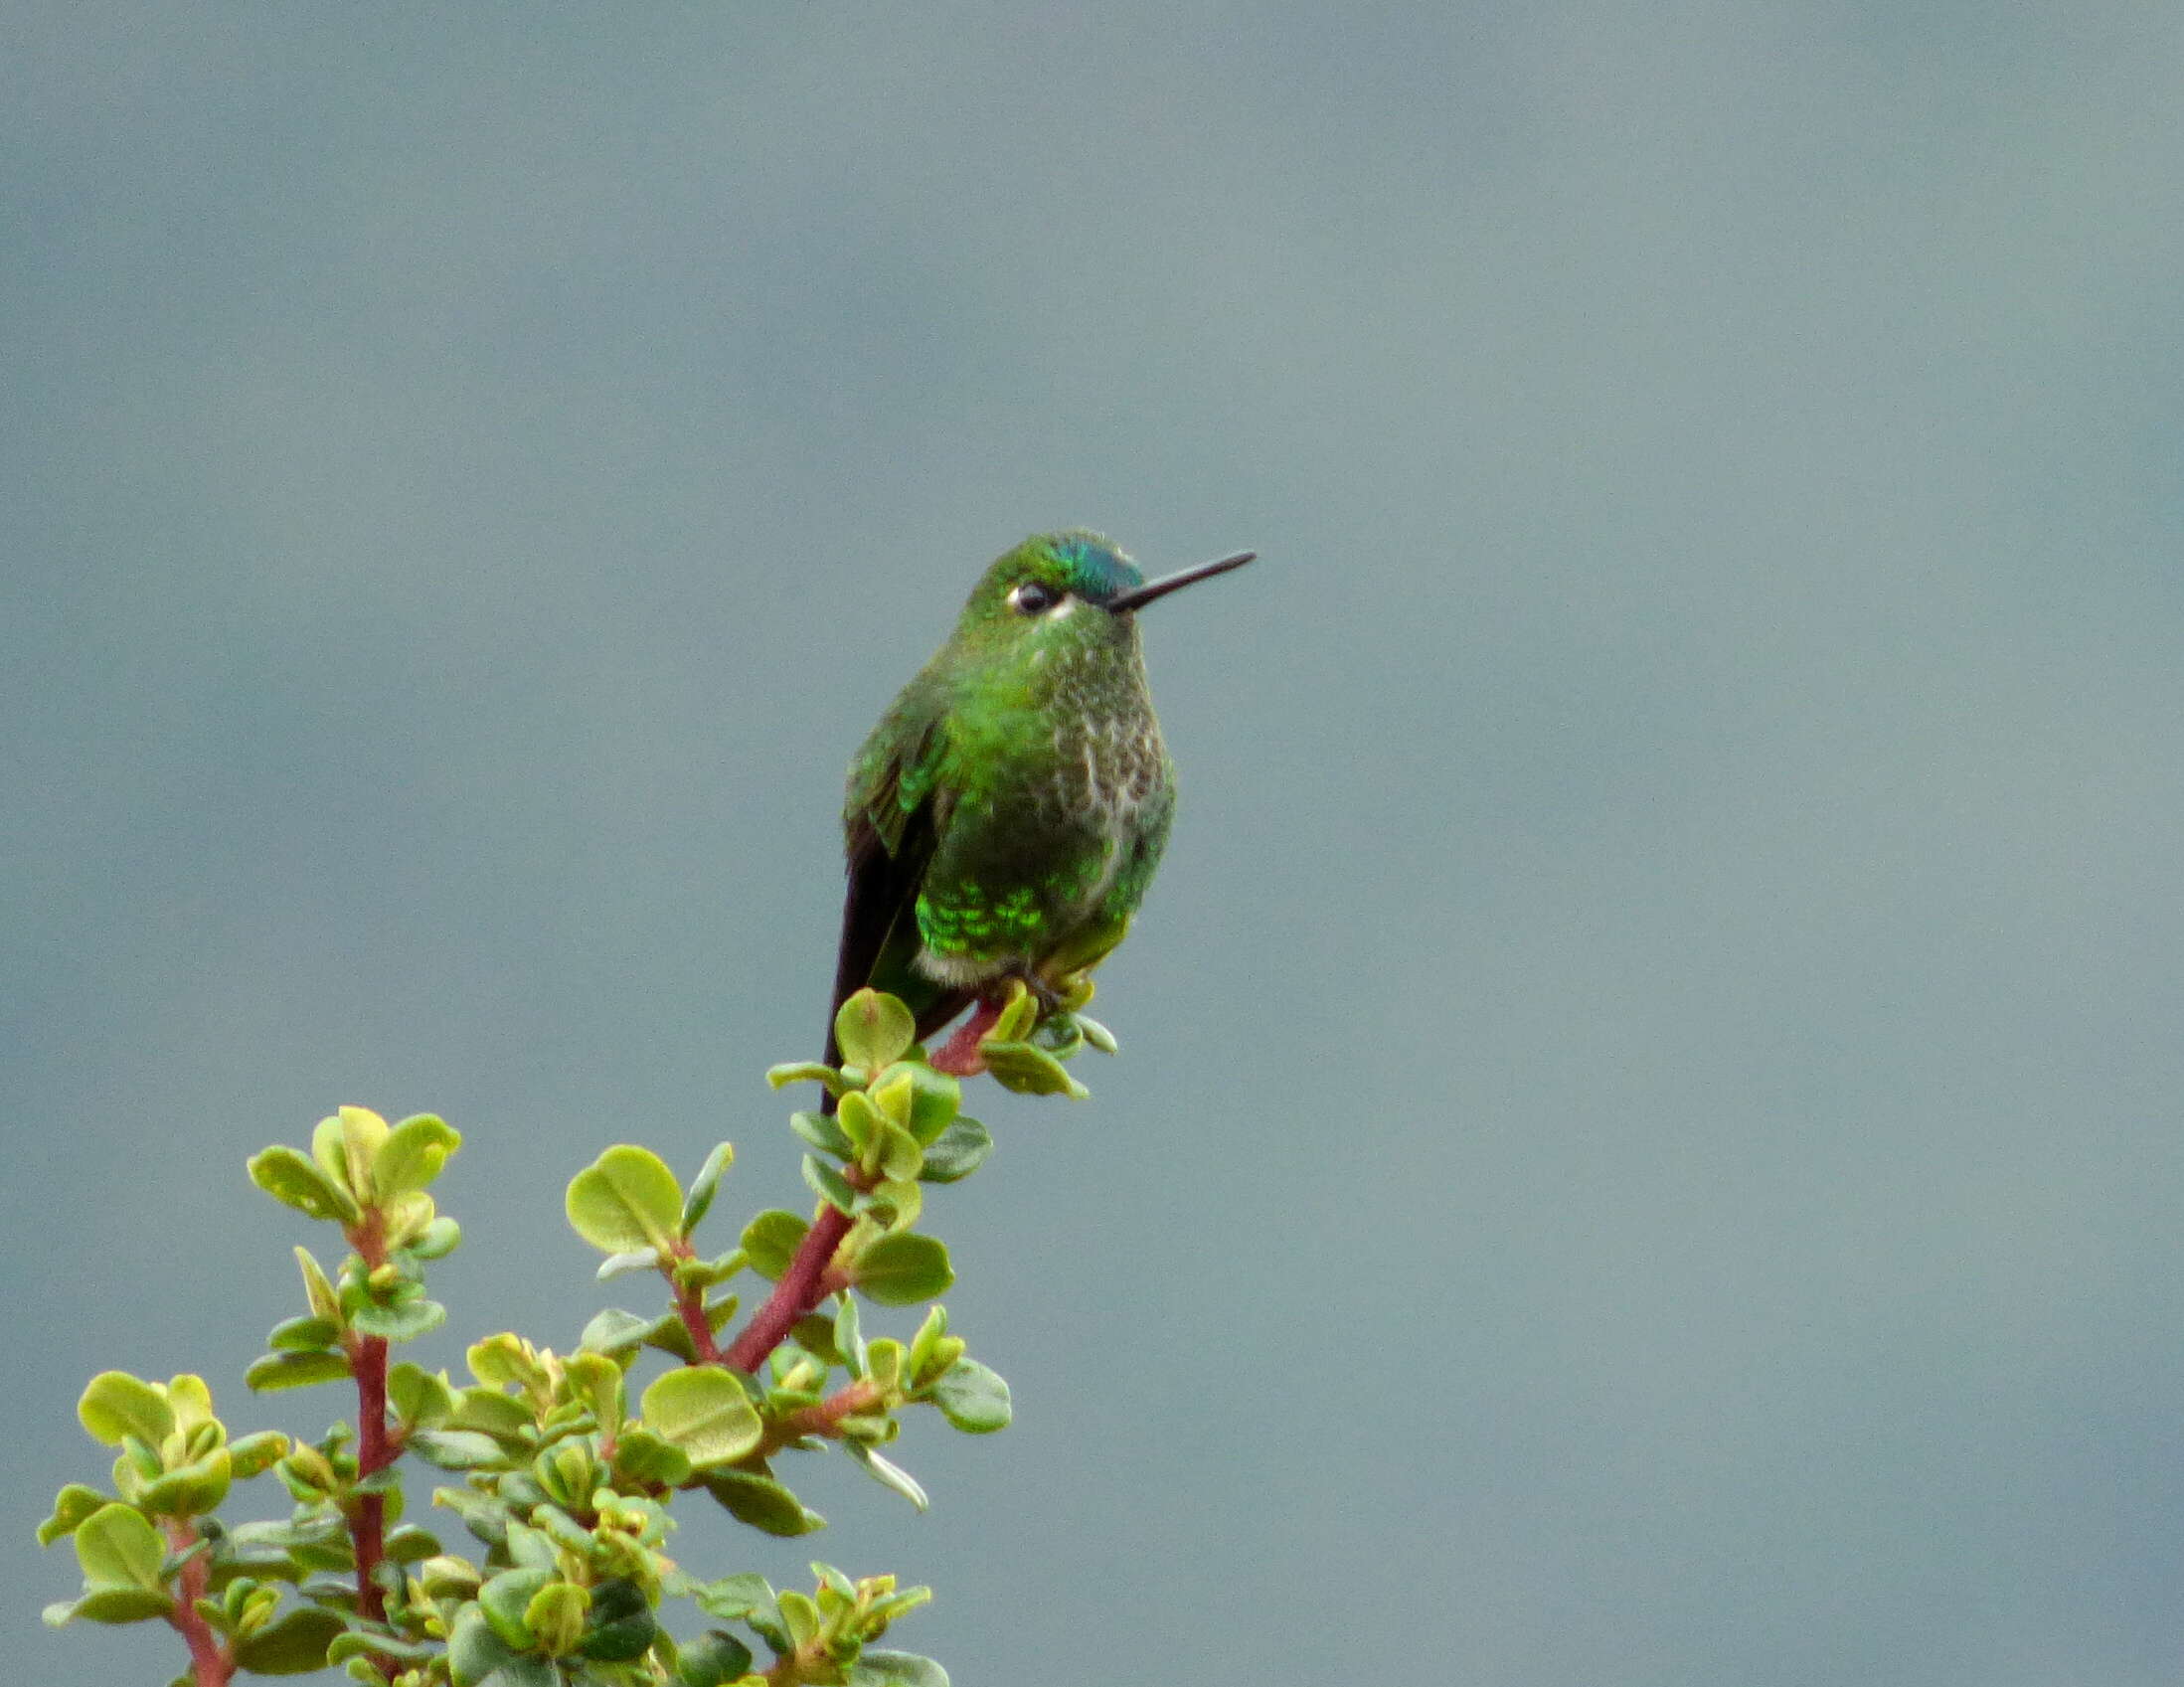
(624, 1200)
(71, 1506)
(113, 1605)
(116, 1404)
(904, 1267)
(412, 1155)
(289, 1177)
(873, 1030)
(704, 1413)
(118, 1548)
(972, 1398)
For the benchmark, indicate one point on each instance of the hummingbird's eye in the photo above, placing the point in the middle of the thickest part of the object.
(1034, 597)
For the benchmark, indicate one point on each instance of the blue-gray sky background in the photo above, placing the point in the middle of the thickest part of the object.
(1647, 1149)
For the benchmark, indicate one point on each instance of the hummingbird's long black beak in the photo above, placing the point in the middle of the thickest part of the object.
(1166, 584)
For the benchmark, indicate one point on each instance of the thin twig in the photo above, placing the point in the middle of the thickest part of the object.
(210, 1662)
(803, 1286)
(376, 1449)
(808, 1281)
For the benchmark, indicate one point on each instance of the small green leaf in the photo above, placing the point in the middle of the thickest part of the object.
(820, 1131)
(871, 1030)
(557, 1615)
(295, 1370)
(643, 1458)
(529, 1547)
(708, 1182)
(956, 1152)
(192, 1404)
(624, 1200)
(878, 1668)
(116, 1405)
(1060, 1037)
(408, 1544)
(1017, 1016)
(118, 1548)
(561, 1528)
(346, 1146)
(733, 1598)
(884, 1365)
(927, 1338)
(485, 1409)
(289, 1177)
(71, 1506)
(847, 1336)
(1029, 1070)
(361, 1643)
(435, 1241)
(761, 1502)
(457, 1449)
(400, 1324)
(894, 1203)
(799, 1616)
(253, 1454)
(309, 1334)
(887, 1474)
(475, 1654)
(1097, 1035)
(770, 1242)
(325, 1302)
(412, 1155)
(486, 1516)
(597, 1381)
(671, 1335)
(421, 1399)
(891, 1099)
(875, 1668)
(704, 1273)
(900, 1268)
(621, 1265)
(935, 1098)
(972, 1398)
(828, 1184)
(613, 1330)
(504, 1599)
(505, 1358)
(805, 1072)
(857, 1119)
(814, 1333)
(703, 1412)
(714, 1659)
(900, 1156)
(621, 1627)
(293, 1644)
(189, 1490)
(113, 1605)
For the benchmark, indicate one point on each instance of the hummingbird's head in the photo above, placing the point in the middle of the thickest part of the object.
(1071, 589)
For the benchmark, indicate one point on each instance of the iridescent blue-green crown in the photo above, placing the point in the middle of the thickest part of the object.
(1098, 570)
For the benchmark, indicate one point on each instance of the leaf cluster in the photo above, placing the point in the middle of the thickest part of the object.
(564, 1468)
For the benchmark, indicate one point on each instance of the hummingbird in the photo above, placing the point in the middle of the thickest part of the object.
(1004, 818)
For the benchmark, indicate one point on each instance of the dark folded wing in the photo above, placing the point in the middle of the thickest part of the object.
(895, 810)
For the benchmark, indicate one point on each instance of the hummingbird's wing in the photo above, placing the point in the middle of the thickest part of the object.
(898, 807)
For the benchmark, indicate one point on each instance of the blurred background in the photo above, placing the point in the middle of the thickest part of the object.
(1646, 1144)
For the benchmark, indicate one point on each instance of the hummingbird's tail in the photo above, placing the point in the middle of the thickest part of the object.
(880, 942)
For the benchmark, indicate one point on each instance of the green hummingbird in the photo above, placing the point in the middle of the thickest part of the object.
(1006, 815)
